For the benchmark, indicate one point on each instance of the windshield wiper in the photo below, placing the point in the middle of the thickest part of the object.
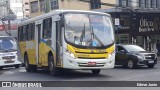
(83, 34)
(95, 36)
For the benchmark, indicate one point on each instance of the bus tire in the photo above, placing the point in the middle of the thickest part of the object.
(52, 69)
(96, 71)
(26, 63)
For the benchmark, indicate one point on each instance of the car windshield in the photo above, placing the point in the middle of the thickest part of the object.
(133, 48)
(7, 43)
(88, 30)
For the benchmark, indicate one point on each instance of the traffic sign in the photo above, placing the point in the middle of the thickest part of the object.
(117, 21)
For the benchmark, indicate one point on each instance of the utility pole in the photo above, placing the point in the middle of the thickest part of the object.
(9, 22)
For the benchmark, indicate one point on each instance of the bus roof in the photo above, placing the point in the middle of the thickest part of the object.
(57, 12)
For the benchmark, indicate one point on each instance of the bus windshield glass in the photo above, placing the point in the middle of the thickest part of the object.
(93, 30)
(7, 43)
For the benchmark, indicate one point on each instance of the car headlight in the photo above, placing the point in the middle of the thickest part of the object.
(111, 54)
(69, 53)
(140, 57)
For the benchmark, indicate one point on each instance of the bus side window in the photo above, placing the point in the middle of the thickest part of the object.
(47, 28)
(24, 32)
(19, 33)
(32, 31)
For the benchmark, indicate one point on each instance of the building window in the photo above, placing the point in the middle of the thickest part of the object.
(152, 3)
(47, 28)
(145, 3)
(34, 7)
(156, 3)
(54, 4)
(43, 5)
(26, 3)
(140, 3)
(95, 4)
(123, 3)
(148, 3)
(27, 15)
(26, 9)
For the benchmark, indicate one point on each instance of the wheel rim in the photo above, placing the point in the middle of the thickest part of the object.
(130, 64)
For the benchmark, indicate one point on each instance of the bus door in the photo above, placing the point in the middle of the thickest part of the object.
(58, 44)
(57, 37)
(38, 40)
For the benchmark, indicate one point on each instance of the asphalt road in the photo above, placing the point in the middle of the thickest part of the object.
(117, 74)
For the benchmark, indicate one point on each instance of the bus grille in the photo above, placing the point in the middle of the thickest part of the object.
(86, 65)
(91, 57)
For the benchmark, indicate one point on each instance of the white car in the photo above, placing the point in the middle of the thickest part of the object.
(8, 52)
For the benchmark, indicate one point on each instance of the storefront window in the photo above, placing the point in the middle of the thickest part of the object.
(123, 38)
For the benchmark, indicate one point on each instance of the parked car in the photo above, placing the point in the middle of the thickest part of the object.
(132, 56)
(8, 52)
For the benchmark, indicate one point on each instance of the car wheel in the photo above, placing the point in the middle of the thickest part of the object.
(26, 63)
(52, 69)
(131, 64)
(151, 66)
(96, 71)
(16, 66)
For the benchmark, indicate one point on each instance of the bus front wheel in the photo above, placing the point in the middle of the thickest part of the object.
(52, 69)
(96, 71)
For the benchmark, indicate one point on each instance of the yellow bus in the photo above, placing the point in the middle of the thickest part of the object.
(69, 39)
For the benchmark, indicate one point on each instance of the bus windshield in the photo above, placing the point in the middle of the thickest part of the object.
(7, 43)
(93, 30)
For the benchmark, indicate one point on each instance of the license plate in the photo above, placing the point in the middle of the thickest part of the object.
(92, 63)
(9, 61)
(150, 61)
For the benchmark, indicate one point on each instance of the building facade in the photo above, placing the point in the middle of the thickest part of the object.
(16, 7)
(26, 9)
(3, 7)
(138, 22)
(11, 6)
(39, 7)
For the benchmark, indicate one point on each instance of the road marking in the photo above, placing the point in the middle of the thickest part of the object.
(22, 70)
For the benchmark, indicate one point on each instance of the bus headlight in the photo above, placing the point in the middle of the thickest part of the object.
(69, 53)
(111, 54)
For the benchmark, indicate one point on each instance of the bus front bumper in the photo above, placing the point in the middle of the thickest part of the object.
(76, 63)
(12, 62)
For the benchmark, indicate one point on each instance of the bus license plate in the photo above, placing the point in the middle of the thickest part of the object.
(92, 63)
